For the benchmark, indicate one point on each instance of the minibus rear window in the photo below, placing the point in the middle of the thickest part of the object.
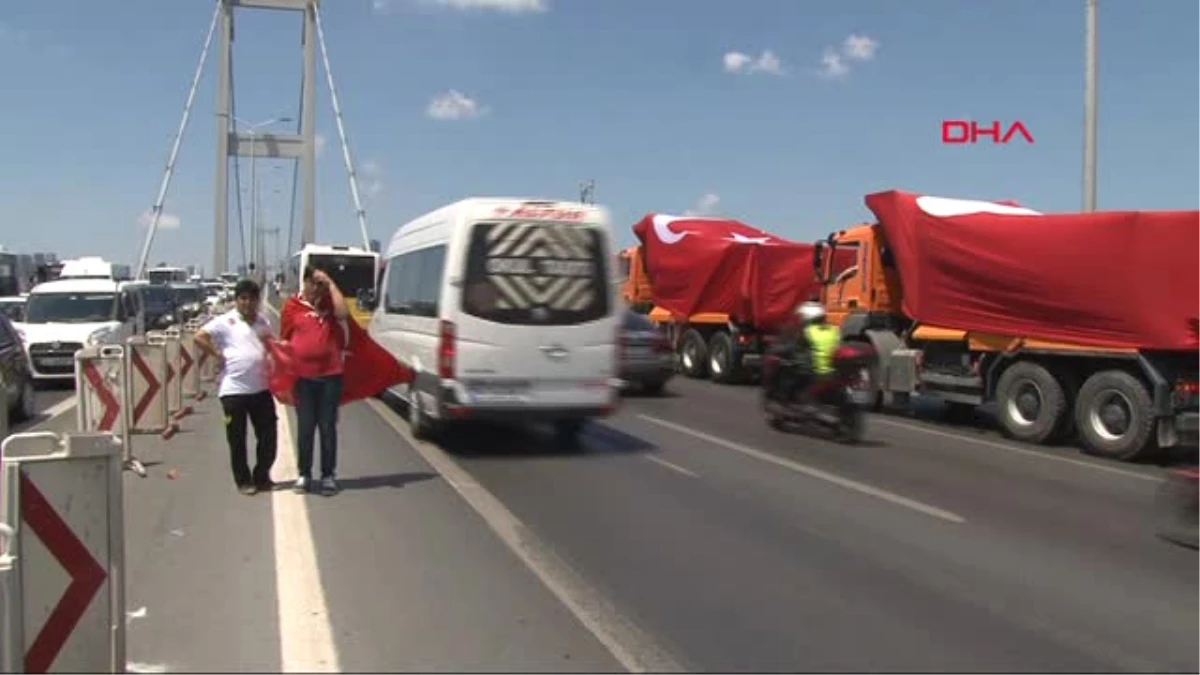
(536, 274)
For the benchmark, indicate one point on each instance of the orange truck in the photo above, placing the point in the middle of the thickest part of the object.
(1072, 325)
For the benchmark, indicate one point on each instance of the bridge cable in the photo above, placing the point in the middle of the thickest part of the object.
(295, 180)
(157, 209)
(337, 115)
(237, 170)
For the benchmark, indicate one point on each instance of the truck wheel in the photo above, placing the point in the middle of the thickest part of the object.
(721, 364)
(693, 354)
(1031, 404)
(1114, 415)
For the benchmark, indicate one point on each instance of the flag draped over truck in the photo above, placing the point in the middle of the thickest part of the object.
(724, 266)
(1122, 279)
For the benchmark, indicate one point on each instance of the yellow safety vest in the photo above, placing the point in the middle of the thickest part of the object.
(824, 340)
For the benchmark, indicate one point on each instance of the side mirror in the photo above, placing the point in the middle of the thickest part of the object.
(366, 299)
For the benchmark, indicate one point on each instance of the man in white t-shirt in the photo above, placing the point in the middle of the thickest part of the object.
(236, 340)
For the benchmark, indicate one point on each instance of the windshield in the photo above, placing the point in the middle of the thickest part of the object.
(350, 272)
(71, 307)
(156, 297)
(15, 311)
(186, 294)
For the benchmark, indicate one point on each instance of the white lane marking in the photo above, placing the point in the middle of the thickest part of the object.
(54, 411)
(847, 483)
(139, 667)
(669, 465)
(876, 419)
(628, 644)
(305, 636)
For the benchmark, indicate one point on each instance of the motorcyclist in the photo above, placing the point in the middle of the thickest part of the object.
(822, 340)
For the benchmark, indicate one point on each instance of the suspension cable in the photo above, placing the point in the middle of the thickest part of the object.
(157, 209)
(337, 116)
(295, 177)
(237, 170)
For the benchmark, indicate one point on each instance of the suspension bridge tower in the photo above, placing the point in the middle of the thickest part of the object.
(234, 143)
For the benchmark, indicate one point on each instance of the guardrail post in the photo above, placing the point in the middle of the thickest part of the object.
(189, 374)
(174, 382)
(102, 396)
(66, 492)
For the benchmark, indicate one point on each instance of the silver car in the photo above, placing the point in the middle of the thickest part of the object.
(647, 360)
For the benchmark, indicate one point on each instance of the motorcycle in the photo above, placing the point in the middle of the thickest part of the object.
(830, 404)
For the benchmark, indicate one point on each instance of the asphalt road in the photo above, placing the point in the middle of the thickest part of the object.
(685, 534)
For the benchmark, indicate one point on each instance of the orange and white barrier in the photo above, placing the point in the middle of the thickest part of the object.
(100, 390)
(189, 375)
(66, 493)
(146, 396)
(174, 386)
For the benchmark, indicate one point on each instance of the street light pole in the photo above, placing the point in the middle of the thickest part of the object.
(1089, 111)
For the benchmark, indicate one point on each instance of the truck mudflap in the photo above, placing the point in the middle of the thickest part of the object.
(1179, 430)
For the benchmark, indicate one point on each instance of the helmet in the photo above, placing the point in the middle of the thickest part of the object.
(811, 311)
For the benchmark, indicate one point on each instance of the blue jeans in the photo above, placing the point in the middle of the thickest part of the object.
(317, 403)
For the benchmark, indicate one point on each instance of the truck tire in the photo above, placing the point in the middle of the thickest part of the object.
(1114, 416)
(722, 366)
(693, 354)
(1031, 404)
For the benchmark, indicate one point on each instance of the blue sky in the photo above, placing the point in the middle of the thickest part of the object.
(635, 94)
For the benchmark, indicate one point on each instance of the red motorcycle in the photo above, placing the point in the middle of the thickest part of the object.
(827, 404)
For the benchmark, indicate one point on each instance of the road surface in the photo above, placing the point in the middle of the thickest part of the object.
(685, 534)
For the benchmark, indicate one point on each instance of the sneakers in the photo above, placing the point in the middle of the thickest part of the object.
(329, 486)
(248, 490)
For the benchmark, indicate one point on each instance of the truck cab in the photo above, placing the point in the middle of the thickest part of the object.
(860, 286)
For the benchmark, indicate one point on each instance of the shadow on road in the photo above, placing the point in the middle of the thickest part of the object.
(495, 440)
(391, 480)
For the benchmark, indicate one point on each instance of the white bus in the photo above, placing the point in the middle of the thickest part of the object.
(163, 275)
(505, 309)
(353, 269)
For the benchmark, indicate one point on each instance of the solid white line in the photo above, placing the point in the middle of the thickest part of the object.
(847, 483)
(628, 644)
(305, 636)
(56, 409)
(669, 465)
(1012, 448)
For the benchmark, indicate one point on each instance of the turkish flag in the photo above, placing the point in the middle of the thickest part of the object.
(368, 369)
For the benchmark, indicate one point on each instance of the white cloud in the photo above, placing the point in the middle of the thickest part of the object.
(166, 221)
(319, 143)
(506, 6)
(767, 62)
(835, 63)
(860, 47)
(832, 65)
(707, 205)
(454, 105)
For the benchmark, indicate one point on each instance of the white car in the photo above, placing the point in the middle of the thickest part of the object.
(64, 316)
(505, 310)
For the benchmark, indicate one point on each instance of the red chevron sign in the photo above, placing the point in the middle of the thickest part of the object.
(152, 386)
(186, 357)
(112, 407)
(86, 573)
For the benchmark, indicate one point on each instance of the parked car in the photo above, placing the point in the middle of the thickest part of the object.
(13, 307)
(647, 360)
(15, 374)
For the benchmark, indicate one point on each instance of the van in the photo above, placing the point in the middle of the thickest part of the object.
(64, 316)
(506, 310)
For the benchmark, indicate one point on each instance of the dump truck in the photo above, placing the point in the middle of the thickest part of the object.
(718, 287)
(1071, 324)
